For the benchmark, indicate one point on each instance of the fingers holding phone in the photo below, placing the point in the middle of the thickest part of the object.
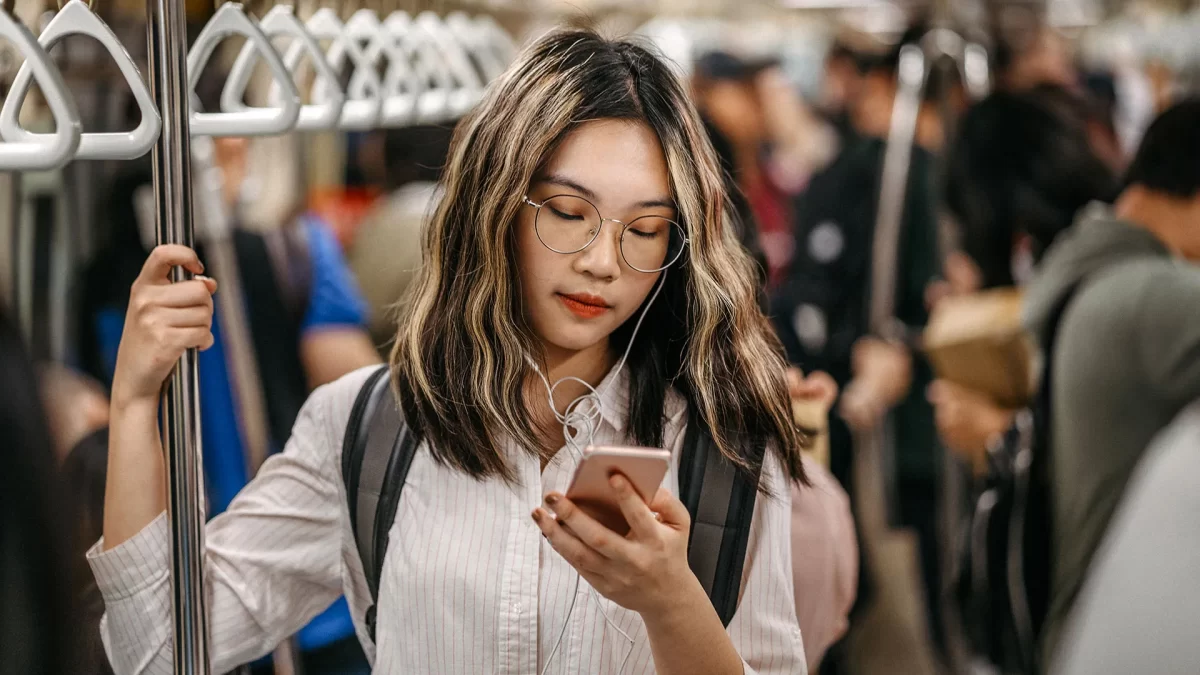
(619, 529)
(645, 570)
(591, 490)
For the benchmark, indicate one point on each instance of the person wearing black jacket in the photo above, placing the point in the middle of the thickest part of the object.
(38, 628)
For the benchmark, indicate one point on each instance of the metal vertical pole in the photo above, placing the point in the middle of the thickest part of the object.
(167, 28)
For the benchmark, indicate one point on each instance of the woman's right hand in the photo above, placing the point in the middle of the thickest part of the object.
(164, 319)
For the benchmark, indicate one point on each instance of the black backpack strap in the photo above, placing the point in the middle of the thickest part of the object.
(720, 500)
(1039, 539)
(376, 455)
(379, 448)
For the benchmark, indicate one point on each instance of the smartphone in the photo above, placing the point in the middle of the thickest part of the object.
(644, 468)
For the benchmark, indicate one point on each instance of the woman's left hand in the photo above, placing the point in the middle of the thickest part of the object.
(644, 571)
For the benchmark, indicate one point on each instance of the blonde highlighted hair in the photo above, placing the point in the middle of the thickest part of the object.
(459, 359)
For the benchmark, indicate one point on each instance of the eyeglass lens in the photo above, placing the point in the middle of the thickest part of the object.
(567, 224)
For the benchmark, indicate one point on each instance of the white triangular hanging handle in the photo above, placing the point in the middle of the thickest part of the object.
(76, 19)
(468, 89)
(433, 104)
(400, 86)
(230, 19)
(500, 41)
(475, 37)
(361, 112)
(60, 147)
(281, 21)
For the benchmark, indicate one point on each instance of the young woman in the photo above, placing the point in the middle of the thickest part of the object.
(584, 240)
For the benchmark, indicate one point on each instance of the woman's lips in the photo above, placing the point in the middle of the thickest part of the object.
(584, 306)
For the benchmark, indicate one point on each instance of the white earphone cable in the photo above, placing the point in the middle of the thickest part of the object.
(579, 424)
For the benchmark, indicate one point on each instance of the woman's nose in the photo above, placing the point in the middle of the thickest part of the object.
(602, 258)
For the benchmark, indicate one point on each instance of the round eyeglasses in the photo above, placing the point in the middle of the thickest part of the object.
(568, 224)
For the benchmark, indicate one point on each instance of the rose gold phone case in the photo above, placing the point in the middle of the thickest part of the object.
(590, 490)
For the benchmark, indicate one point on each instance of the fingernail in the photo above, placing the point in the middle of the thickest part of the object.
(617, 482)
(537, 515)
(551, 499)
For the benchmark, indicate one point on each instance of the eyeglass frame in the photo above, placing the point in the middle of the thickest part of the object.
(624, 226)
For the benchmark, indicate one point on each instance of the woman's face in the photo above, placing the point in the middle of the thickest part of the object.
(575, 301)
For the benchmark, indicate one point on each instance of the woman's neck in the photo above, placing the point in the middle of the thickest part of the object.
(590, 365)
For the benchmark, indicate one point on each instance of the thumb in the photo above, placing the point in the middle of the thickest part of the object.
(670, 510)
(209, 283)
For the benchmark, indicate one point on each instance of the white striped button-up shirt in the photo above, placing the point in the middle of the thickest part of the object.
(469, 586)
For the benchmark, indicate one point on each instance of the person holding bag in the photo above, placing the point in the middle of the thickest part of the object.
(582, 285)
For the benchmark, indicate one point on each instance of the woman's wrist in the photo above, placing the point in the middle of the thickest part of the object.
(131, 407)
(678, 606)
(125, 399)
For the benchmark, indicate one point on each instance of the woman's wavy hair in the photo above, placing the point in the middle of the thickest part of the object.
(459, 362)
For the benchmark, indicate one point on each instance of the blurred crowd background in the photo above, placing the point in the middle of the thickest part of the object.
(1026, 125)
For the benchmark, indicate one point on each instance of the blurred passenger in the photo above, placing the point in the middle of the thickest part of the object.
(1098, 104)
(871, 111)
(824, 543)
(774, 142)
(1033, 55)
(306, 320)
(824, 538)
(1018, 173)
(1126, 358)
(76, 406)
(748, 227)
(38, 631)
(1139, 609)
(83, 475)
(820, 310)
(841, 85)
(385, 252)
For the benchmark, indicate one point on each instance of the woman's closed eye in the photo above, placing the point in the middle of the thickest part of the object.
(576, 217)
(645, 234)
(649, 227)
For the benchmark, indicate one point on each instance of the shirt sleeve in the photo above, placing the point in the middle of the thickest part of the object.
(335, 298)
(764, 629)
(273, 560)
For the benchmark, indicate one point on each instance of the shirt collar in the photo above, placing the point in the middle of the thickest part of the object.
(614, 397)
(613, 392)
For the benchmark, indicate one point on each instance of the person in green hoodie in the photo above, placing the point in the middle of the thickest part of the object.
(1127, 356)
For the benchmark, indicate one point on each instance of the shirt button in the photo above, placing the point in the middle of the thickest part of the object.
(517, 608)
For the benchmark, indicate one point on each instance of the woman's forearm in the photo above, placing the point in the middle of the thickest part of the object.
(135, 490)
(687, 638)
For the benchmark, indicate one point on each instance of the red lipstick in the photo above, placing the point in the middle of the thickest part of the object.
(583, 305)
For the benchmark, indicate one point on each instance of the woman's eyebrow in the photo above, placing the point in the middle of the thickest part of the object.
(662, 203)
(558, 179)
(563, 181)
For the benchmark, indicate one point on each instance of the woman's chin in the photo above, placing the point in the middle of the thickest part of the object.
(575, 339)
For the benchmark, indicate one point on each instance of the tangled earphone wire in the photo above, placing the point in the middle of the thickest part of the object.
(581, 424)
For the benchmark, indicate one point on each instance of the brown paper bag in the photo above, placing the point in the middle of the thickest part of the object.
(813, 415)
(977, 341)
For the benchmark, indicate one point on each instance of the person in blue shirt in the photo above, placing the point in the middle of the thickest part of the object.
(306, 318)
